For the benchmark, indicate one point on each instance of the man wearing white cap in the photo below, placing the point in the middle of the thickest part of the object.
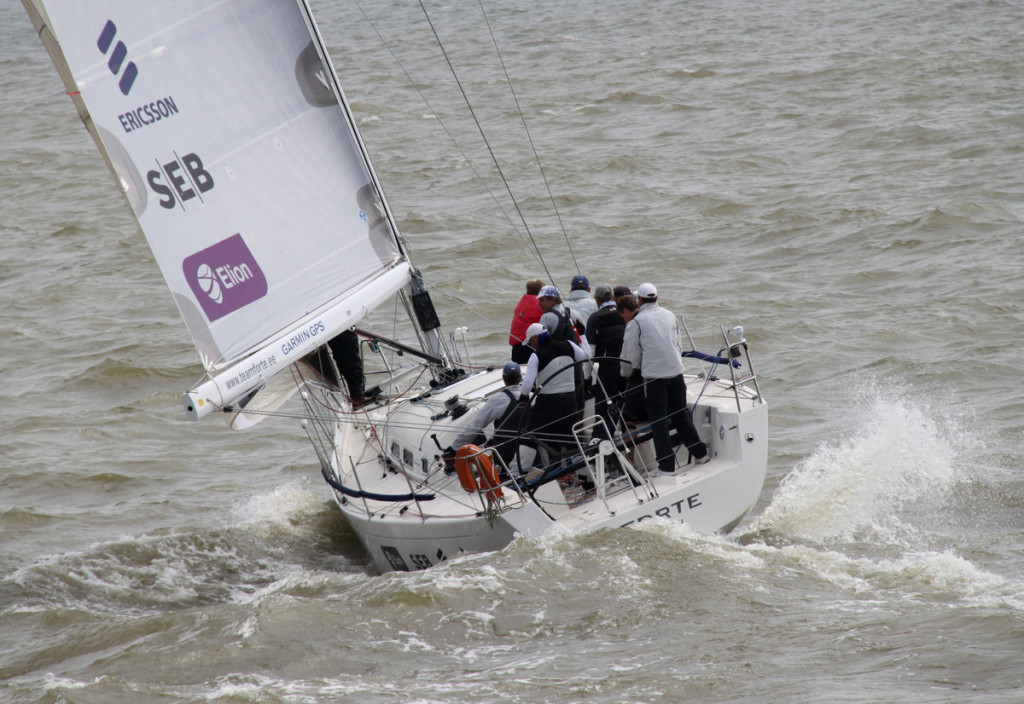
(554, 409)
(652, 345)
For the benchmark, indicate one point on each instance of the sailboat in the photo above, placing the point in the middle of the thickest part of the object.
(227, 130)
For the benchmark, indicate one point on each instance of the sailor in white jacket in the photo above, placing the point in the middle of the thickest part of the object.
(652, 345)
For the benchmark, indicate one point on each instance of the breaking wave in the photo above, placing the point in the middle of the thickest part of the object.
(899, 457)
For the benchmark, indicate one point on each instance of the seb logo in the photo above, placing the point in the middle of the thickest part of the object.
(180, 180)
(224, 277)
(115, 60)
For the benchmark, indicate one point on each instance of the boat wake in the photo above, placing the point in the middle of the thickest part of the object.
(286, 532)
(878, 514)
(281, 510)
(870, 486)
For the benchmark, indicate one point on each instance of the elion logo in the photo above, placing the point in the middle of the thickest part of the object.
(224, 277)
(214, 282)
(208, 283)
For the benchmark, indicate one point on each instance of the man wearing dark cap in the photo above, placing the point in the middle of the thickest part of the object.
(652, 344)
(498, 409)
(581, 306)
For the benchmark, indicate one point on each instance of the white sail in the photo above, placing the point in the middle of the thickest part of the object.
(227, 130)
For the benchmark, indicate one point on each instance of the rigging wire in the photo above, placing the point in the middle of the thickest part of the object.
(529, 137)
(451, 137)
(483, 136)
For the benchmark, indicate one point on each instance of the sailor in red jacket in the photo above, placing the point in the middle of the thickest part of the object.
(527, 312)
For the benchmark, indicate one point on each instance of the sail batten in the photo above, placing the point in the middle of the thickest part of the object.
(228, 134)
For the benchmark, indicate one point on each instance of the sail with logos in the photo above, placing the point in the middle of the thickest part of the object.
(225, 127)
(230, 137)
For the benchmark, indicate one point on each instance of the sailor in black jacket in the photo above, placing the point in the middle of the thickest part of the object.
(554, 409)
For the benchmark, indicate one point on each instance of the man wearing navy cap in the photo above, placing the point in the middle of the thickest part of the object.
(580, 304)
(497, 409)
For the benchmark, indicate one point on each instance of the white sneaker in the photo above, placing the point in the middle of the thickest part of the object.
(702, 460)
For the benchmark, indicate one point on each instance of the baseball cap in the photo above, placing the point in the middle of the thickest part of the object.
(534, 329)
(580, 281)
(511, 369)
(549, 291)
(621, 290)
(647, 291)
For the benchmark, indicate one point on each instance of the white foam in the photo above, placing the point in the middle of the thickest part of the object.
(484, 578)
(712, 545)
(897, 455)
(925, 575)
(286, 507)
(53, 681)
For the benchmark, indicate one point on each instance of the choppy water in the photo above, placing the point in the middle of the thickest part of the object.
(844, 179)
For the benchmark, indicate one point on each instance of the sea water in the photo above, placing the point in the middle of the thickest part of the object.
(842, 179)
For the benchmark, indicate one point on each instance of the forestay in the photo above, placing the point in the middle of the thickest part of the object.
(231, 139)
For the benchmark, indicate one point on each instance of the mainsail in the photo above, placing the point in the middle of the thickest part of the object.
(229, 134)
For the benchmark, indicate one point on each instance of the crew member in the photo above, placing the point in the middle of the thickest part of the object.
(651, 343)
(527, 312)
(604, 333)
(501, 409)
(345, 350)
(555, 318)
(554, 408)
(579, 303)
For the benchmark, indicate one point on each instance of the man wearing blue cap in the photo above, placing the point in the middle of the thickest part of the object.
(562, 325)
(502, 409)
(556, 318)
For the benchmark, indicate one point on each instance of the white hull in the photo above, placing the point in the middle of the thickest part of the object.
(405, 534)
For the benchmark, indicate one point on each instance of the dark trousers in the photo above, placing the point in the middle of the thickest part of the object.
(551, 418)
(521, 354)
(345, 349)
(665, 400)
(634, 408)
